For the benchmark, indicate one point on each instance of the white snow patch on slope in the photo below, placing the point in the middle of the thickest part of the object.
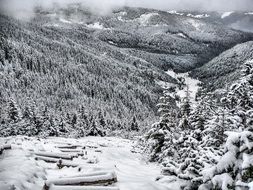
(120, 18)
(96, 25)
(144, 18)
(198, 16)
(249, 13)
(197, 24)
(175, 12)
(120, 15)
(226, 14)
(65, 21)
(181, 35)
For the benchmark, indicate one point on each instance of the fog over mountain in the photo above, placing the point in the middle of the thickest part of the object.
(25, 8)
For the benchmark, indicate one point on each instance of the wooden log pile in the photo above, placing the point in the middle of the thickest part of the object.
(93, 179)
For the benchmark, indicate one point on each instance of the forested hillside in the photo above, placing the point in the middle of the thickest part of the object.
(226, 68)
(69, 71)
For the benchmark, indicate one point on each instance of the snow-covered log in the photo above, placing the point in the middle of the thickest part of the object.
(105, 179)
(56, 155)
(4, 147)
(62, 163)
(70, 147)
(76, 151)
(54, 187)
(47, 159)
(7, 147)
(91, 174)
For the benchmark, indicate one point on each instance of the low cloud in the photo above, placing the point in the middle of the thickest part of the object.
(24, 9)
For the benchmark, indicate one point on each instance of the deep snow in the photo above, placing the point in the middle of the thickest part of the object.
(19, 168)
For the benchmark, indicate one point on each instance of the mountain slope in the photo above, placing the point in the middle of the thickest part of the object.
(224, 69)
(71, 68)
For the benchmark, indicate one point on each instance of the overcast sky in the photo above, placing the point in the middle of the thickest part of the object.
(21, 8)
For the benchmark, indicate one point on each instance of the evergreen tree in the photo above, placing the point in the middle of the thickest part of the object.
(165, 107)
(134, 125)
(94, 130)
(13, 111)
(101, 120)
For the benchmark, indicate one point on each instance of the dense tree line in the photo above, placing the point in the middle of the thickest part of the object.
(54, 63)
(54, 72)
(209, 145)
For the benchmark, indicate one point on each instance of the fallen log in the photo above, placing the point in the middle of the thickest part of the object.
(56, 155)
(70, 147)
(99, 180)
(97, 173)
(54, 187)
(78, 152)
(59, 162)
(7, 147)
(70, 150)
(91, 146)
(4, 147)
(47, 159)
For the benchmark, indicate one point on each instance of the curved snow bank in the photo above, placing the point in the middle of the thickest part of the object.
(19, 171)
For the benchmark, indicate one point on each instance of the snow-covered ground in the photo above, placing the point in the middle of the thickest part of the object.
(19, 168)
(190, 83)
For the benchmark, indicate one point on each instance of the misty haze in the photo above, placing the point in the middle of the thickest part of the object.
(126, 95)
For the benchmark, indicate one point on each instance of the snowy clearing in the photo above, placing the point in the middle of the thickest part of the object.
(191, 83)
(105, 160)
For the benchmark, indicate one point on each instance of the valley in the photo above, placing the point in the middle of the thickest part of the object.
(132, 98)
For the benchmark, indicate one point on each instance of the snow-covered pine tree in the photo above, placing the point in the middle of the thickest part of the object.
(134, 125)
(166, 109)
(155, 139)
(14, 113)
(235, 169)
(101, 120)
(185, 110)
(159, 137)
(94, 130)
